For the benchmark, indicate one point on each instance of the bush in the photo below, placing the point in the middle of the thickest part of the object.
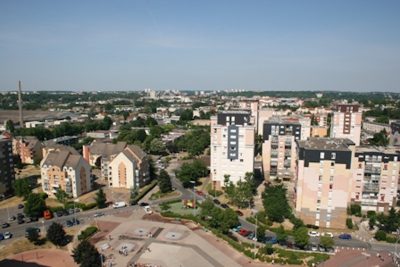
(371, 213)
(349, 223)
(89, 206)
(55, 209)
(391, 239)
(354, 209)
(213, 192)
(380, 235)
(88, 232)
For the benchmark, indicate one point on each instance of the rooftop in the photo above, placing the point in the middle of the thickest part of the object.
(336, 144)
(378, 149)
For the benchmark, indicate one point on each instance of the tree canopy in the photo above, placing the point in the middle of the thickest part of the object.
(164, 182)
(191, 172)
(22, 187)
(101, 200)
(35, 205)
(56, 234)
(275, 203)
(86, 255)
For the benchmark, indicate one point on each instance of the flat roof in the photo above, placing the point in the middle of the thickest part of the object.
(337, 144)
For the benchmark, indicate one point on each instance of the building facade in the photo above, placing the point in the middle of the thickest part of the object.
(346, 122)
(232, 146)
(395, 133)
(7, 174)
(29, 149)
(324, 181)
(61, 169)
(375, 178)
(130, 168)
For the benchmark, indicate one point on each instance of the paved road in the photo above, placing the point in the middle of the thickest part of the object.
(19, 229)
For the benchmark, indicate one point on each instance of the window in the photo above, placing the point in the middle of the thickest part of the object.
(330, 186)
(332, 164)
(330, 178)
(333, 155)
(322, 155)
(215, 130)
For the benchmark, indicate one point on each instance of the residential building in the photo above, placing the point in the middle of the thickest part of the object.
(103, 134)
(346, 122)
(375, 127)
(130, 168)
(395, 133)
(324, 181)
(100, 154)
(232, 146)
(279, 147)
(62, 169)
(252, 105)
(28, 148)
(63, 140)
(376, 177)
(7, 175)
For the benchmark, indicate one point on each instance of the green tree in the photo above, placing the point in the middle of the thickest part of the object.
(301, 237)
(33, 235)
(372, 222)
(56, 234)
(164, 182)
(261, 232)
(275, 203)
(61, 196)
(157, 147)
(86, 255)
(191, 172)
(22, 187)
(349, 223)
(380, 235)
(229, 219)
(35, 205)
(101, 199)
(380, 139)
(281, 235)
(326, 241)
(10, 126)
(240, 194)
(134, 195)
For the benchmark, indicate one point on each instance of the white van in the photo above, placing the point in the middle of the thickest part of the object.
(118, 205)
(148, 210)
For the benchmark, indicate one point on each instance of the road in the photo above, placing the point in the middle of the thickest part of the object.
(19, 229)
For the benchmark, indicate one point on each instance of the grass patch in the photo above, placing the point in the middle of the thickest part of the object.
(88, 232)
(159, 195)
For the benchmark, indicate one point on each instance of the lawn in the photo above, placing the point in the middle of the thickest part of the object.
(178, 208)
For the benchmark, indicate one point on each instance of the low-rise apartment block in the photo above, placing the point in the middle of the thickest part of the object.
(129, 169)
(232, 146)
(29, 149)
(62, 169)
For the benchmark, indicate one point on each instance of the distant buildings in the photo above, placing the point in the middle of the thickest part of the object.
(129, 169)
(63, 169)
(395, 133)
(7, 175)
(375, 127)
(232, 146)
(346, 122)
(29, 149)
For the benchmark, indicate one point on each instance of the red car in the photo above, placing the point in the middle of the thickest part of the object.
(200, 193)
(244, 232)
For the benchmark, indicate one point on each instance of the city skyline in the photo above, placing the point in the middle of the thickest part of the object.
(96, 46)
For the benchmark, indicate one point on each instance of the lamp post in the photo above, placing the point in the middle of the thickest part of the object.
(194, 196)
(255, 233)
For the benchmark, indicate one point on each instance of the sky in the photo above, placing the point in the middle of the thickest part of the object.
(200, 45)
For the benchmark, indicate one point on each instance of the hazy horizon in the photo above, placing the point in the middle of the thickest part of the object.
(182, 45)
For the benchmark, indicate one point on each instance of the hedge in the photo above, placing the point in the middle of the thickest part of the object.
(88, 232)
(145, 190)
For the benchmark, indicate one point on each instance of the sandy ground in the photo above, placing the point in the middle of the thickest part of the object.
(28, 114)
(46, 257)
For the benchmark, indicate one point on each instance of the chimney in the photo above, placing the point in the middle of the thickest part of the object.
(21, 117)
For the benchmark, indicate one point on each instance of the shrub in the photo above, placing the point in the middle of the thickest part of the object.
(349, 223)
(391, 239)
(89, 206)
(371, 213)
(55, 209)
(213, 192)
(380, 235)
(88, 232)
(354, 209)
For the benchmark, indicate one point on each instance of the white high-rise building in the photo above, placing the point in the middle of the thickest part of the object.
(232, 146)
(346, 122)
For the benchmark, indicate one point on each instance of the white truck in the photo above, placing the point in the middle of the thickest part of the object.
(119, 204)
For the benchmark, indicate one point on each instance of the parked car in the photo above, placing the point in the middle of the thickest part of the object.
(98, 214)
(314, 247)
(200, 193)
(20, 215)
(345, 236)
(7, 235)
(72, 222)
(239, 213)
(33, 219)
(5, 225)
(237, 228)
(270, 240)
(216, 201)
(251, 236)
(143, 204)
(59, 213)
(21, 220)
(47, 214)
(313, 233)
(244, 232)
(148, 210)
(1, 236)
(20, 206)
(225, 206)
(329, 234)
(119, 204)
(12, 218)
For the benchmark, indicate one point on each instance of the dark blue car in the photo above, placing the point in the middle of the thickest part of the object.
(270, 240)
(345, 236)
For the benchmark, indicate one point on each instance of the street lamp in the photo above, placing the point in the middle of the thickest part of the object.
(255, 234)
(194, 196)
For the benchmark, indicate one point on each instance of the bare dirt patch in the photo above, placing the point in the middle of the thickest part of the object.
(46, 257)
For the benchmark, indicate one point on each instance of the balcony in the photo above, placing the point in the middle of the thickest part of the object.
(274, 154)
(372, 170)
(371, 188)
